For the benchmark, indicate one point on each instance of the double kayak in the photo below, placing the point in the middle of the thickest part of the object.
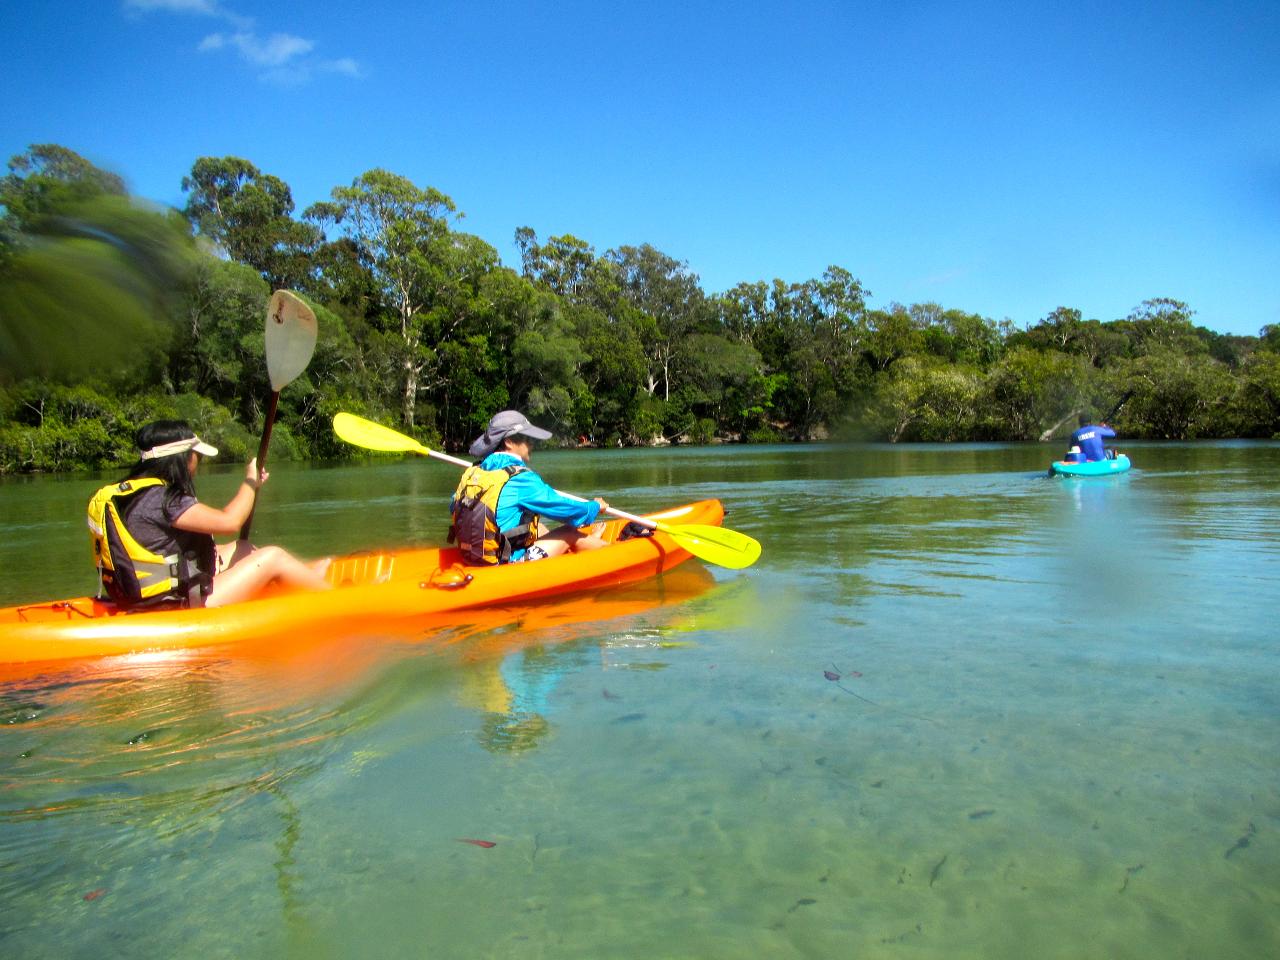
(370, 590)
(1091, 468)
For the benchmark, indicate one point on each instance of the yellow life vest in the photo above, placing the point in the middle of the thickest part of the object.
(475, 523)
(130, 574)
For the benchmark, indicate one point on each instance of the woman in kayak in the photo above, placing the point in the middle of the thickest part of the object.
(168, 535)
(500, 501)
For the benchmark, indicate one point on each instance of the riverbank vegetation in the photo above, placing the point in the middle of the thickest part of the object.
(114, 312)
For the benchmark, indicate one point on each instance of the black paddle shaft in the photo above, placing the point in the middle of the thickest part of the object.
(262, 458)
(1116, 409)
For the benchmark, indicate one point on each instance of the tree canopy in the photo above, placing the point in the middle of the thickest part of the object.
(114, 312)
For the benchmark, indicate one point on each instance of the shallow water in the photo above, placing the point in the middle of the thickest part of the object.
(956, 710)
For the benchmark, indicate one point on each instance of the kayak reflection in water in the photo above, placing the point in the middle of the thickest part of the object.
(153, 540)
(500, 500)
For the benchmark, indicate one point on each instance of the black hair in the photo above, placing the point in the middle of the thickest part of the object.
(1086, 418)
(171, 469)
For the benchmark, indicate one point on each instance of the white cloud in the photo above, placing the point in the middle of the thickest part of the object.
(206, 7)
(283, 57)
(342, 65)
(277, 50)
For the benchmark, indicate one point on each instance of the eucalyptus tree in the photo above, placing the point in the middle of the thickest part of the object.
(834, 308)
(669, 297)
(565, 265)
(1163, 323)
(538, 355)
(812, 339)
(616, 336)
(403, 237)
(249, 215)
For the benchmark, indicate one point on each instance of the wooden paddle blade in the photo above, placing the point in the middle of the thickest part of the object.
(725, 548)
(291, 338)
(374, 436)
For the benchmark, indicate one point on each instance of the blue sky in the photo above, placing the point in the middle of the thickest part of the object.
(1000, 158)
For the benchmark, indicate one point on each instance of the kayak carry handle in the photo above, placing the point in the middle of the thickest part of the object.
(453, 578)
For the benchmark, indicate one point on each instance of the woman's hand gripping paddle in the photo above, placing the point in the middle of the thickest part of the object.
(726, 548)
(290, 342)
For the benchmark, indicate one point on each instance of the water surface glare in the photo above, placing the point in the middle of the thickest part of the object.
(957, 710)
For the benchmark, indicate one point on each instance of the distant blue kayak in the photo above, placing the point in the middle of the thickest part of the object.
(1094, 468)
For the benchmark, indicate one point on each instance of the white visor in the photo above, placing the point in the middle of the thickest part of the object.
(179, 446)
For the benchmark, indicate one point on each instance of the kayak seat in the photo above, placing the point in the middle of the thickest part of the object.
(360, 568)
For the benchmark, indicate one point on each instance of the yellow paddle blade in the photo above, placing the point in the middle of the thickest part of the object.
(374, 436)
(726, 548)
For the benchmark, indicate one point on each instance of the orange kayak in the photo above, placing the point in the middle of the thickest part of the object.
(370, 590)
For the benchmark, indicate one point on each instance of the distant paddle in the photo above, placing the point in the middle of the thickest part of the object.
(290, 342)
(726, 548)
(1048, 434)
(1116, 409)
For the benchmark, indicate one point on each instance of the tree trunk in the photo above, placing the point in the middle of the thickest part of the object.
(410, 400)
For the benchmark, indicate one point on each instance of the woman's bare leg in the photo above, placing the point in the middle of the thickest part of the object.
(563, 539)
(248, 574)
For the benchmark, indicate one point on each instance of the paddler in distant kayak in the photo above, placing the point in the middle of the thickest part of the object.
(153, 540)
(1089, 439)
(500, 502)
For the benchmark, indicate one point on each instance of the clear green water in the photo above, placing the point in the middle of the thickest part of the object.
(1055, 731)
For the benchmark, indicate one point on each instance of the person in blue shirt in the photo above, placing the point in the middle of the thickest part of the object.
(501, 502)
(1089, 438)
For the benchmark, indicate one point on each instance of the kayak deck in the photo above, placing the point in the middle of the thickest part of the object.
(369, 588)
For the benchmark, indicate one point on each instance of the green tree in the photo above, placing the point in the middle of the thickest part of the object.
(924, 398)
(725, 386)
(89, 283)
(48, 180)
(667, 293)
(891, 335)
(403, 235)
(1176, 396)
(220, 352)
(1161, 324)
(1257, 402)
(1269, 338)
(248, 214)
(1030, 390)
(965, 338)
(565, 265)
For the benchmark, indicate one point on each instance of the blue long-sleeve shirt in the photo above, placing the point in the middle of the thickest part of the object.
(528, 492)
(1089, 440)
